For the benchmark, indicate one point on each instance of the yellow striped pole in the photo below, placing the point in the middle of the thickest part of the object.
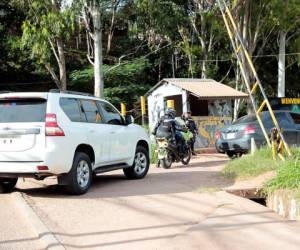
(123, 109)
(143, 108)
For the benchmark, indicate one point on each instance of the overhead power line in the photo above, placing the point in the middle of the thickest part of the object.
(256, 56)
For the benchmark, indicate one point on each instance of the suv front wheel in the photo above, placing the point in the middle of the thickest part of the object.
(80, 177)
(140, 166)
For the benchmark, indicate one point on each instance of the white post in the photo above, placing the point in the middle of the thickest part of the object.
(185, 103)
(281, 65)
(253, 146)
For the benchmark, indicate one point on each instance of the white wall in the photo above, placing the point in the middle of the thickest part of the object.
(156, 101)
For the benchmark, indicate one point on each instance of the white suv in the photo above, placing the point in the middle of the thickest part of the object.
(69, 135)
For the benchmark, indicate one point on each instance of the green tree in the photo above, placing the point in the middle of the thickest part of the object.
(48, 26)
(286, 16)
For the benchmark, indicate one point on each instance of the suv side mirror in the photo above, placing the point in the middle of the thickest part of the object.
(129, 119)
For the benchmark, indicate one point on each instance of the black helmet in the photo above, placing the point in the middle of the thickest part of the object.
(171, 112)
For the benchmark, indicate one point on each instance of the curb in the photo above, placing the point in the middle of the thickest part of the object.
(46, 237)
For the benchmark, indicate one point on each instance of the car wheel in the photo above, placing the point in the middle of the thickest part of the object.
(7, 184)
(80, 177)
(233, 155)
(140, 166)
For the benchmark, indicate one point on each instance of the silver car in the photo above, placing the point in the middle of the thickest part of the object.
(235, 139)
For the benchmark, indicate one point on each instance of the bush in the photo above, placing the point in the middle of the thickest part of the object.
(124, 83)
(288, 174)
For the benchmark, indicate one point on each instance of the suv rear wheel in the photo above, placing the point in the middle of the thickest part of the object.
(80, 177)
(7, 184)
(140, 166)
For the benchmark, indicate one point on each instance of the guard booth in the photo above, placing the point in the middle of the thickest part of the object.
(210, 102)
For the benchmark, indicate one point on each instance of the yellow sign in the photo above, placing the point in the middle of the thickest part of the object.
(288, 101)
(170, 104)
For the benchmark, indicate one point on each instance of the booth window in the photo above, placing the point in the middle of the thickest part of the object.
(198, 107)
(177, 102)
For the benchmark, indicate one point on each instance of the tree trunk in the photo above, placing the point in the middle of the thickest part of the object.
(236, 101)
(111, 28)
(62, 65)
(98, 62)
(204, 67)
(281, 64)
(53, 75)
(191, 65)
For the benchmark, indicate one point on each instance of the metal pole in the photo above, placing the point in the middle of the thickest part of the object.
(143, 108)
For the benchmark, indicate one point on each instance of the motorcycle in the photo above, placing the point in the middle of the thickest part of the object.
(169, 152)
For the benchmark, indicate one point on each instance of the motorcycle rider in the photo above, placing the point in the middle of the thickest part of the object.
(191, 125)
(168, 127)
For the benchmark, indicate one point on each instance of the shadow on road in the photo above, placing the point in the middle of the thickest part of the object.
(202, 165)
(179, 179)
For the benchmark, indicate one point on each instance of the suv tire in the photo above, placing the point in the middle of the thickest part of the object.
(7, 184)
(79, 179)
(140, 166)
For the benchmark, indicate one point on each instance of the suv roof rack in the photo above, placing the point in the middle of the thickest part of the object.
(70, 92)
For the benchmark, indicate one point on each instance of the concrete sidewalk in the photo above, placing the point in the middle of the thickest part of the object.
(15, 233)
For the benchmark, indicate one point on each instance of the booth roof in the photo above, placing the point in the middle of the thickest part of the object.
(202, 88)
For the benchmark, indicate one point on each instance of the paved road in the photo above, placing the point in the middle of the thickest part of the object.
(170, 209)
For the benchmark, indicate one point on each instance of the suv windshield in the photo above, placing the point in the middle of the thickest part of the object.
(22, 110)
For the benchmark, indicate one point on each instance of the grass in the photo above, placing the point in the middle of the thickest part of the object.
(288, 175)
(251, 165)
(287, 172)
(154, 156)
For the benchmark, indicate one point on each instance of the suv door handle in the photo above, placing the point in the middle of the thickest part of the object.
(112, 132)
(92, 131)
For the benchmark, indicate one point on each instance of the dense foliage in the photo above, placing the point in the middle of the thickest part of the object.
(143, 42)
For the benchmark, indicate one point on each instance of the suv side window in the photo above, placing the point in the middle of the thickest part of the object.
(110, 114)
(71, 109)
(90, 109)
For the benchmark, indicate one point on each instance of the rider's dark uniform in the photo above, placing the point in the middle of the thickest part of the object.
(169, 128)
(191, 125)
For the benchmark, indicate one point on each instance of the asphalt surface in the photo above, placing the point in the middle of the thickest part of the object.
(179, 208)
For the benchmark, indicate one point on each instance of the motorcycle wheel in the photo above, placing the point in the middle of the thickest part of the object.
(166, 162)
(186, 159)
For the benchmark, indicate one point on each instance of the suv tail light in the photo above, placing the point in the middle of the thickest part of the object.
(52, 128)
(218, 135)
(249, 130)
